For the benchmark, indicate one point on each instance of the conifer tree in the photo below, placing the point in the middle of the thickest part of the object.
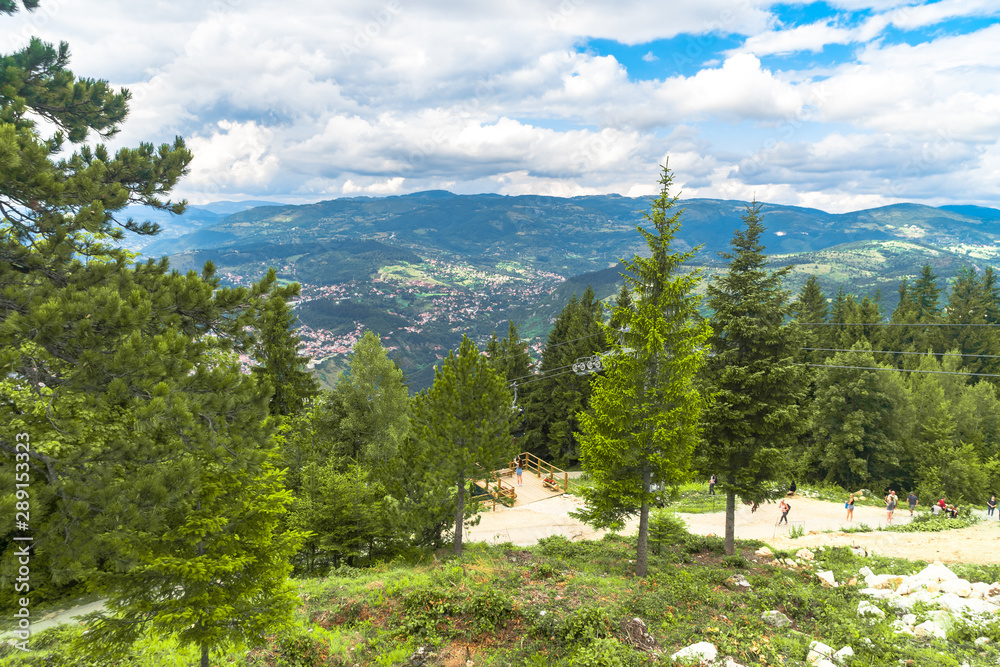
(374, 405)
(857, 422)
(754, 377)
(972, 301)
(276, 348)
(642, 425)
(464, 419)
(127, 375)
(811, 307)
(553, 400)
(509, 355)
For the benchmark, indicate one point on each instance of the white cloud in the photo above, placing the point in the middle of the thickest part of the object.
(330, 99)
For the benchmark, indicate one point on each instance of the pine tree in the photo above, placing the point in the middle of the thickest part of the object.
(754, 377)
(972, 301)
(509, 355)
(465, 419)
(643, 422)
(856, 422)
(276, 349)
(374, 403)
(126, 375)
(553, 401)
(811, 307)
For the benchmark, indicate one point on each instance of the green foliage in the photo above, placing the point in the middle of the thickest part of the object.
(374, 406)
(461, 427)
(490, 609)
(643, 421)
(552, 403)
(753, 376)
(151, 453)
(585, 625)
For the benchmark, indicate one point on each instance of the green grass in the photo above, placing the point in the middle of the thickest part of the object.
(564, 603)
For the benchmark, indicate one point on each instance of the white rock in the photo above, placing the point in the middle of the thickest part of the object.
(825, 663)
(818, 651)
(804, 554)
(828, 579)
(764, 552)
(901, 627)
(877, 593)
(910, 585)
(980, 590)
(935, 572)
(866, 608)
(698, 653)
(981, 641)
(941, 618)
(865, 571)
(909, 619)
(901, 603)
(929, 629)
(776, 618)
(844, 655)
(953, 603)
(731, 663)
(859, 551)
(959, 587)
(993, 591)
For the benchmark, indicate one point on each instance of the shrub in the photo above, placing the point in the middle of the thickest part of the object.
(585, 624)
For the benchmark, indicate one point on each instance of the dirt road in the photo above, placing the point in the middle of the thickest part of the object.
(978, 544)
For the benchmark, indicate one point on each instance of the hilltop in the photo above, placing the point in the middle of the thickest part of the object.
(423, 269)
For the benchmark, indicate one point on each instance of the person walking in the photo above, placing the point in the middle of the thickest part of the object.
(890, 506)
(912, 501)
(711, 485)
(849, 506)
(991, 506)
(784, 507)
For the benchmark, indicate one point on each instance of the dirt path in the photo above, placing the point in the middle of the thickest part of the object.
(979, 544)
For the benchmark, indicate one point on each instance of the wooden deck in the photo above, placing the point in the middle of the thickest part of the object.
(533, 489)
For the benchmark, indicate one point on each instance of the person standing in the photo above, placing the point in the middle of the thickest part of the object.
(711, 485)
(519, 471)
(784, 507)
(991, 506)
(890, 506)
(912, 501)
(849, 505)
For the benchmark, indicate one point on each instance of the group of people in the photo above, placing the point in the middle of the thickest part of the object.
(942, 507)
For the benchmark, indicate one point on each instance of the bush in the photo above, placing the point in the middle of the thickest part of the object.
(489, 609)
(584, 625)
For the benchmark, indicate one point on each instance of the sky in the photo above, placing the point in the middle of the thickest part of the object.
(837, 105)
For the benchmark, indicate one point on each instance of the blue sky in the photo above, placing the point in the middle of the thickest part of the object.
(839, 105)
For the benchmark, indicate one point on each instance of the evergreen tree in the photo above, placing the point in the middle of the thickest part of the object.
(972, 301)
(754, 377)
(509, 355)
(811, 307)
(554, 400)
(373, 403)
(127, 376)
(465, 419)
(857, 423)
(276, 348)
(643, 421)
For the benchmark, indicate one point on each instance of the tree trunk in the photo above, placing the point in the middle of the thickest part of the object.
(641, 548)
(204, 655)
(730, 522)
(459, 515)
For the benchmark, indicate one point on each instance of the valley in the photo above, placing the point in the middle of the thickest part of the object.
(422, 270)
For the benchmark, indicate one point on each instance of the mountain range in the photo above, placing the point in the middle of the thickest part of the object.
(422, 269)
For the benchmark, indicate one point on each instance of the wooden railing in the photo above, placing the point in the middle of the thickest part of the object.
(542, 469)
(497, 487)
